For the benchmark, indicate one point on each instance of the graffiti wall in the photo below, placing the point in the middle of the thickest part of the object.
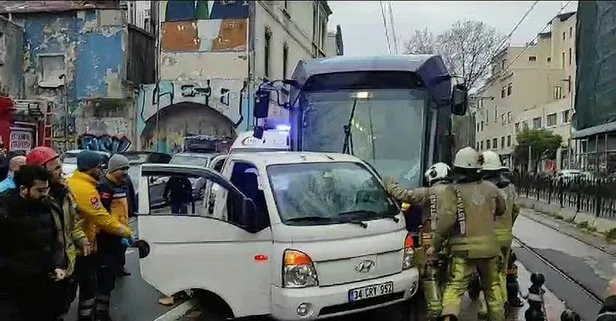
(173, 110)
(103, 143)
(197, 34)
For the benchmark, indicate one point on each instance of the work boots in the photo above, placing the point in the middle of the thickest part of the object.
(85, 310)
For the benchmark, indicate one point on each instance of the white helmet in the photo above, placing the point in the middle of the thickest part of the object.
(490, 161)
(437, 171)
(467, 158)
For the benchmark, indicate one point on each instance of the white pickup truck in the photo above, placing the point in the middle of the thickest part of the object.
(292, 235)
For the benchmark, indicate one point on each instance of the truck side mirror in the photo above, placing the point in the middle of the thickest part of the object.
(261, 106)
(250, 214)
(459, 100)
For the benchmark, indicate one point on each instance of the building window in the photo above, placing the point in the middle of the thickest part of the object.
(503, 63)
(286, 4)
(503, 91)
(532, 58)
(509, 118)
(558, 92)
(495, 114)
(537, 123)
(285, 60)
(524, 125)
(268, 41)
(477, 127)
(562, 60)
(509, 89)
(323, 34)
(569, 84)
(570, 56)
(315, 22)
(52, 67)
(488, 144)
(517, 127)
(551, 120)
(482, 125)
(477, 145)
(503, 119)
(494, 143)
(503, 142)
(566, 116)
(563, 36)
(549, 59)
(481, 145)
(508, 140)
(570, 32)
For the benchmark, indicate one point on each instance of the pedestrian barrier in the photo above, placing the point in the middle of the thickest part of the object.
(595, 196)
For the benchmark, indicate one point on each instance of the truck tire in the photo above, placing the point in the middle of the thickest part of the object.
(209, 314)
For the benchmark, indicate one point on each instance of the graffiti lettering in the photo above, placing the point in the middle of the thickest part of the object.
(103, 143)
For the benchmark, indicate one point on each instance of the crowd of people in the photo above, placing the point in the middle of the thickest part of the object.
(60, 234)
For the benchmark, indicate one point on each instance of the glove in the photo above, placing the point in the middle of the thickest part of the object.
(128, 241)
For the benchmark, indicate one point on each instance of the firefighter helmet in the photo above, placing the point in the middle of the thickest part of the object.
(436, 172)
(41, 155)
(490, 161)
(467, 158)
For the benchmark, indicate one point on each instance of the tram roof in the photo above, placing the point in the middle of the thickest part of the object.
(411, 63)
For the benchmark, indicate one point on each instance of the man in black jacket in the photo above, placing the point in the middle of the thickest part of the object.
(34, 258)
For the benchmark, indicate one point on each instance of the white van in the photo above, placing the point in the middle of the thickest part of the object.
(293, 235)
(273, 140)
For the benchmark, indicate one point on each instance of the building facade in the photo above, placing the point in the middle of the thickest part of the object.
(531, 87)
(11, 74)
(212, 57)
(86, 61)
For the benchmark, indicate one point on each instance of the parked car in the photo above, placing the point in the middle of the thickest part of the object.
(157, 185)
(567, 174)
(194, 159)
(69, 160)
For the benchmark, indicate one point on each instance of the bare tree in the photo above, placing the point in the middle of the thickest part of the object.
(422, 42)
(467, 48)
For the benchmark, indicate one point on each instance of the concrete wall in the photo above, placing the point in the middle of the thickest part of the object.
(208, 107)
(88, 47)
(11, 58)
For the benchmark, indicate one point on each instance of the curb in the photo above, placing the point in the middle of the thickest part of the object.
(178, 311)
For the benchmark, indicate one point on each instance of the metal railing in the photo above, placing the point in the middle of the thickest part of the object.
(594, 196)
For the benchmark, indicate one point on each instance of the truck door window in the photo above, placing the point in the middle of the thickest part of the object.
(245, 177)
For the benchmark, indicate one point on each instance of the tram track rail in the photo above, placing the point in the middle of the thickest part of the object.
(582, 288)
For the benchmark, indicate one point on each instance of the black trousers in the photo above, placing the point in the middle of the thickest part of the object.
(96, 282)
(34, 298)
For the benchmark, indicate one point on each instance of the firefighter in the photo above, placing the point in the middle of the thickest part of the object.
(82, 185)
(428, 199)
(493, 171)
(469, 231)
(70, 232)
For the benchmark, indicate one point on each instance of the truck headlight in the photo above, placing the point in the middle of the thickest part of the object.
(298, 270)
(409, 252)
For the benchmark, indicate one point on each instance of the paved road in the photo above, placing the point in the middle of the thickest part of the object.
(583, 263)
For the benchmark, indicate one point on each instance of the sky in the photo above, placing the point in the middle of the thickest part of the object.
(363, 32)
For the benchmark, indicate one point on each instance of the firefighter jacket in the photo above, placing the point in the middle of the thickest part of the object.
(68, 225)
(89, 207)
(504, 223)
(425, 197)
(468, 218)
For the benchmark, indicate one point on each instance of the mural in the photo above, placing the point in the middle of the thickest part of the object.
(171, 111)
(202, 26)
(103, 143)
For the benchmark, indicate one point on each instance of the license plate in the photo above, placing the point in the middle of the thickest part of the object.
(371, 291)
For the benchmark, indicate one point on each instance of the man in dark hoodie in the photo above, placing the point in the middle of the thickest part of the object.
(608, 310)
(35, 260)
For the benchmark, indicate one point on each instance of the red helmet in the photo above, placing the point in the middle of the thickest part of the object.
(41, 155)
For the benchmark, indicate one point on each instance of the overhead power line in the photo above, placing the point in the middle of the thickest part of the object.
(536, 36)
(392, 27)
(383, 15)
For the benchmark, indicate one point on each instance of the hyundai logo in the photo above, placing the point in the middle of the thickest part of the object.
(365, 266)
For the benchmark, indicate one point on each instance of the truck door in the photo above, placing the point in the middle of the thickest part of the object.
(216, 164)
(188, 249)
